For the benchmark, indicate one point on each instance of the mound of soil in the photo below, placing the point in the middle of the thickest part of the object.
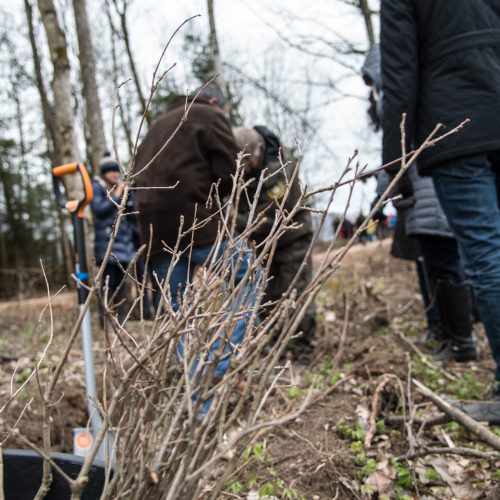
(321, 454)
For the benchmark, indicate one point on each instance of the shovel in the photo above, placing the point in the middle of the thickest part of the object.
(83, 438)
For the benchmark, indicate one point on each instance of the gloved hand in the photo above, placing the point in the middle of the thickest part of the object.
(379, 214)
(404, 203)
(404, 188)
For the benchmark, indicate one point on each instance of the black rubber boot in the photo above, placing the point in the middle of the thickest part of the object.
(454, 303)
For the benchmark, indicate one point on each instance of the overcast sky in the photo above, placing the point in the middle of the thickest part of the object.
(251, 34)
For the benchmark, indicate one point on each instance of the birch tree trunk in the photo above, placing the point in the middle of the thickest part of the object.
(53, 140)
(214, 48)
(51, 132)
(90, 92)
(61, 88)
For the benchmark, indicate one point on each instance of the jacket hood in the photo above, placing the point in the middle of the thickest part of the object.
(371, 70)
(273, 145)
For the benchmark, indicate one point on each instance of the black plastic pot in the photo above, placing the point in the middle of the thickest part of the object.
(22, 476)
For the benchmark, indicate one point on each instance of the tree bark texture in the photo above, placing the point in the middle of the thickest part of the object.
(51, 132)
(89, 84)
(61, 88)
(214, 48)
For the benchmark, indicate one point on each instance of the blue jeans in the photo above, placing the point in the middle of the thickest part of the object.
(112, 277)
(183, 273)
(468, 190)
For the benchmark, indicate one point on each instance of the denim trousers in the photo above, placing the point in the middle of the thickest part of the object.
(112, 278)
(468, 190)
(183, 273)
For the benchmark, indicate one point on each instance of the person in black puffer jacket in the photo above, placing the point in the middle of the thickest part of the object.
(447, 295)
(441, 64)
(105, 212)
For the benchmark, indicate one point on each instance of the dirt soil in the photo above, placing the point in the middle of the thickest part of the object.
(321, 455)
(26, 327)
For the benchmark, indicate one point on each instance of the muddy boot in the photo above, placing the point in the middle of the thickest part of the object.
(454, 303)
(432, 336)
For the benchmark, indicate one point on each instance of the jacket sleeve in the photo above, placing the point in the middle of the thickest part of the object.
(399, 52)
(101, 204)
(222, 150)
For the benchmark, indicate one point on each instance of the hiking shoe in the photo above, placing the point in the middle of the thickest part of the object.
(301, 351)
(431, 336)
(453, 350)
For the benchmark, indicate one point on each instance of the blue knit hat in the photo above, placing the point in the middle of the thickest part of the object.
(108, 164)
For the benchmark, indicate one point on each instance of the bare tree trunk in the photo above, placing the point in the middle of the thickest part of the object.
(12, 220)
(90, 92)
(122, 14)
(47, 109)
(51, 133)
(364, 7)
(61, 87)
(30, 250)
(3, 251)
(124, 119)
(214, 48)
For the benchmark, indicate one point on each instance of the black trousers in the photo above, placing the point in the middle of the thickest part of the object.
(441, 258)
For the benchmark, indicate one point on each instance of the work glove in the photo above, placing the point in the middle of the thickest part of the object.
(403, 188)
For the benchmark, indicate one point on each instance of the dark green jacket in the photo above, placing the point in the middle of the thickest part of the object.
(271, 196)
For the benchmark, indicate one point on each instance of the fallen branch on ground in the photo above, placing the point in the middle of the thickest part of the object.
(374, 413)
(463, 452)
(470, 424)
(439, 419)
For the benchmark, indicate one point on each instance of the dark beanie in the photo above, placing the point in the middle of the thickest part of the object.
(108, 163)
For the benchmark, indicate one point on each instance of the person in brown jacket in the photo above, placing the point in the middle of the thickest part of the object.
(202, 153)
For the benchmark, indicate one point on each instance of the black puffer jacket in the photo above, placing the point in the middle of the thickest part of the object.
(426, 217)
(441, 64)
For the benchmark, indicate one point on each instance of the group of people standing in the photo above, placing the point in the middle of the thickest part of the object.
(438, 62)
(201, 155)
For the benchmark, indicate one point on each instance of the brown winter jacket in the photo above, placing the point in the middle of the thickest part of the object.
(202, 152)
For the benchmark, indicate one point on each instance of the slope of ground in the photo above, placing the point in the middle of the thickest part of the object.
(322, 454)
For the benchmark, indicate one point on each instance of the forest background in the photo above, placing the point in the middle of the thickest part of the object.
(291, 65)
